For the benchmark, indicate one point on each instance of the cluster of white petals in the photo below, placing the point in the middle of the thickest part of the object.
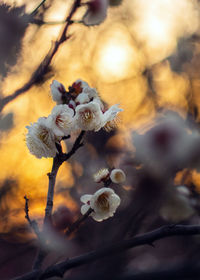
(80, 108)
(102, 175)
(41, 140)
(104, 203)
(61, 120)
(116, 176)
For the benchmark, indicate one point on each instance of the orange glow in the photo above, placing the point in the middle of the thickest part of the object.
(111, 57)
(160, 23)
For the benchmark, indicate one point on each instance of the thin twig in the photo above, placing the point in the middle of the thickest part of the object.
(147, 238)
(43, 67)
(33, 223)
(77, 223)
(42, 22)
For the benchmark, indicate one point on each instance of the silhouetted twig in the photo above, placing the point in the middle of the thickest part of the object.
(32, 223)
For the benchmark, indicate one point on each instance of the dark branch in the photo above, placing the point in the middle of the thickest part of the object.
(147, 238)
(57, 162)
(33, 224)
(44, 65)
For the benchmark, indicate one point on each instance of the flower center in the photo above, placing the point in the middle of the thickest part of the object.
(44, 137)
(103, 202)
(87, 116)
(59, 120)
(119, 176)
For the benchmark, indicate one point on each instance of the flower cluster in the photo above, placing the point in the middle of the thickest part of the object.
(79, 108)
(116, 176)
(104, 203)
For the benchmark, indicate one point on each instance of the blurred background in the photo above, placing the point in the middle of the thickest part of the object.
(145, 56)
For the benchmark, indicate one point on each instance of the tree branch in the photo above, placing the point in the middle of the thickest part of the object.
(43, 67)
(147, 238)
(57, 162)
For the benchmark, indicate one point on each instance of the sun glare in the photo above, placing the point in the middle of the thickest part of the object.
(114, 58)
(117, 58)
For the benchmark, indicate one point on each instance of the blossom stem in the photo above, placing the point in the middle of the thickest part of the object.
(107, 183)
(57, 162)
(76, 224)
(41, 22)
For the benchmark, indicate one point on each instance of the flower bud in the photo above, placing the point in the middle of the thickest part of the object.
(117, 176)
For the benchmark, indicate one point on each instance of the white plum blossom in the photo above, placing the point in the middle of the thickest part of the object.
(101, 175)
(177, 206)
(117, 176)
(104, 203)
(61, 120)
(40, 139)
(90, 116)
(80, 108)
(96, 12)
(57, 91)
(91, 92)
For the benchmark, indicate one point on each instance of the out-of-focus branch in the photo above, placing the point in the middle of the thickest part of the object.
(184, 271)
(147, 238)
(57, 162)
(43, 67)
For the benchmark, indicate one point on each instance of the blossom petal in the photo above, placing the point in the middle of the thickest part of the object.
(85, 198)
(84, 209)
(111, 113)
